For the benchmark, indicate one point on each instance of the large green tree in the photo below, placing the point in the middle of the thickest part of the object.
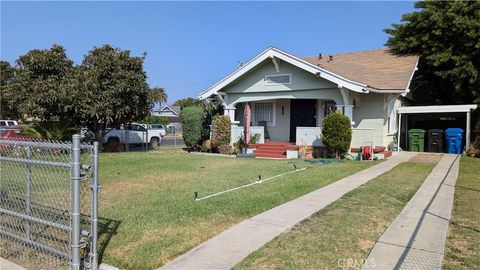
(42, 82)
(188, 102)
(8, 99)
(446, 34)
(111, 89)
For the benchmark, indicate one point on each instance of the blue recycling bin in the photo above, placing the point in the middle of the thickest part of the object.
(454, 138)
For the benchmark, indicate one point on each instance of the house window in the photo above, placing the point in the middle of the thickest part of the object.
(392, 118)
(278, 79)
(264, 111)
(329, 106)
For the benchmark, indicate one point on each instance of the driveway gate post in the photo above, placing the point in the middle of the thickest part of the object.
(75, 203)
(95, 189)
(28, 191)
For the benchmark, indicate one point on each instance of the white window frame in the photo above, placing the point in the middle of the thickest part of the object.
(392, 117)
(274, 109)
(278, 75)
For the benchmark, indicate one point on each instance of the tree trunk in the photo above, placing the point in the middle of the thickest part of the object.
(98, 135)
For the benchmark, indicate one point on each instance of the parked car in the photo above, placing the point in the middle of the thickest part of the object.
(8, 123)
(174, 127)
(134, 134)
(155, 127)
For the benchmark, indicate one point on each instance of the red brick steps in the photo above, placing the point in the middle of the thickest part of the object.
(271, 149)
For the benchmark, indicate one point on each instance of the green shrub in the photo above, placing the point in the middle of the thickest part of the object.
(221, 134)
(255, 138)
(153, 119)
(337, 134)
(52, 130)
(192, 122)
(209, 111)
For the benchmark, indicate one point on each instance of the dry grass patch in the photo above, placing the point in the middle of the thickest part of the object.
(431, 158)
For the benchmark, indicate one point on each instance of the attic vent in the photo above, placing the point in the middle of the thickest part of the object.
(278, 79)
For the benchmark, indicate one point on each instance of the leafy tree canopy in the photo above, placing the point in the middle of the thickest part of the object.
(446, 34)
(8, 108)
(41, 85)
(107, 89)
(188, 102)
(111, 89)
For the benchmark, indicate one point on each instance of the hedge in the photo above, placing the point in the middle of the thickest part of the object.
(221, 134)
(337, 134)
(192, 123)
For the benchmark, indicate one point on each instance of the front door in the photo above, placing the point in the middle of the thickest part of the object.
(303, 113)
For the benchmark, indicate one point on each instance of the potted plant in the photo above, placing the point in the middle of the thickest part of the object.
(307, 151)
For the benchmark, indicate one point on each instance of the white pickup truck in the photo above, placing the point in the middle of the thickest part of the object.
(134, 134)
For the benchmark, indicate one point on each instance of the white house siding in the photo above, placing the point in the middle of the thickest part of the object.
(370, 113)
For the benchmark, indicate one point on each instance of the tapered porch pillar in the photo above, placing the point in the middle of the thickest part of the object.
(230, 112)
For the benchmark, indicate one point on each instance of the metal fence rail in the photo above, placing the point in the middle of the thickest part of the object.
(48, 203)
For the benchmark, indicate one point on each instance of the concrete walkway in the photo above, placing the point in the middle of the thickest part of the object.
(233, 245)
(8, 265)
(416, 238)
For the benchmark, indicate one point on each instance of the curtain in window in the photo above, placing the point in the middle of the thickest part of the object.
(264, 112)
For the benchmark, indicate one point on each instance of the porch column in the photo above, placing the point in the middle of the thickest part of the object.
(467, 133)
(399, 131)
(230, 112)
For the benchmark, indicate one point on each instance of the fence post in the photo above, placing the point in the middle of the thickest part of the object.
(95, 189)
(146, 140)
(175, 136)
(75, 203)
(127, 146)
(28, 191)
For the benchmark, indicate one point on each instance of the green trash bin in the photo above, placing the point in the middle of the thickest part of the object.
(416, 140)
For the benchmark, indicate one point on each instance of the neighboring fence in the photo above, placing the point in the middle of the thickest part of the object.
(49, 203)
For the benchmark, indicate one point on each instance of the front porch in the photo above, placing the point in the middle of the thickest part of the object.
(283, 126)
(295, 121)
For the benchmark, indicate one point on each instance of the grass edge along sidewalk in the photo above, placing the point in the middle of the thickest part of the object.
(462, 250)
(342, 234)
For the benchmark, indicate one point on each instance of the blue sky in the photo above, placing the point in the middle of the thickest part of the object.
(192, 45)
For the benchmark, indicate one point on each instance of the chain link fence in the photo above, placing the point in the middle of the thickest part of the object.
(48, 203)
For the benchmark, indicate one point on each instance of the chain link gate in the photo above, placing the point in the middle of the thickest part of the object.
(49, 203)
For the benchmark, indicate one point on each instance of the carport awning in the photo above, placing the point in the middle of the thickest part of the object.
(437, 109)
(467, 108)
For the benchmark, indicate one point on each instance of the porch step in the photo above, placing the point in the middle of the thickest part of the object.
(269, 155)
(386, 154)
(272, 149)
(277, 147)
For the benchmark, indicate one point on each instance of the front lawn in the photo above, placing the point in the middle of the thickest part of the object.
(463, 242)
(149, 197)
(341, 235)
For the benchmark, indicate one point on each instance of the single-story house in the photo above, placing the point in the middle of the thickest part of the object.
(169, 111)
(293, 94)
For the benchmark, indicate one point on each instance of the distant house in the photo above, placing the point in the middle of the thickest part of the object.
(169, 111)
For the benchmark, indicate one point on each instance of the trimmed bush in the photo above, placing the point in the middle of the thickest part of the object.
(154, 119)
(192, 123)
(221, 134)
(337, 134)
